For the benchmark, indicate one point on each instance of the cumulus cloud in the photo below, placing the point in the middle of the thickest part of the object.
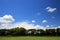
(58, 26)
(47, 26)
(50, 9)
(44, 21)
(6, 19)
(33, 21)
(25, 25)
(5, 26)
(39, 27)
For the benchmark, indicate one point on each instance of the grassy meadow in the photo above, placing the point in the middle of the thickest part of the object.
(29, 38)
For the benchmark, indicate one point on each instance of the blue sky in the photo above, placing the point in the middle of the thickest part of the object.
(38, 12)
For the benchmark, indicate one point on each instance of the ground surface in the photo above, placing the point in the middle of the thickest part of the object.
(29, 38)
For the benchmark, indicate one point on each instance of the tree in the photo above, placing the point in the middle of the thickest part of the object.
(22, 31)
(41, 32)
(58, 31)
(3, 32)
(51, 31)
(31, 32)
(17, 31)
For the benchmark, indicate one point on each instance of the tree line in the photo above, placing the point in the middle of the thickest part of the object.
(31, 32)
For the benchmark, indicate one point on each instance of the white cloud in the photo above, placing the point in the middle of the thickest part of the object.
(25, 25)
(47, 26)
(44, 21)
(6, 19)
(39, 27)
(33, 21)
(52, 28)
(58, 26)
(5, 26)
(50, 9)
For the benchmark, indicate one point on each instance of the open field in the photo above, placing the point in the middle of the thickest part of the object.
(29, 38)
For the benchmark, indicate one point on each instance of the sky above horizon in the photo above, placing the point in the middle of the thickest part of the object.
(37, 12)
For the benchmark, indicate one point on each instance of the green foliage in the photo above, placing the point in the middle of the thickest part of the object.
(58, 31)
(33, 32)
(18, 31)
(51, 31)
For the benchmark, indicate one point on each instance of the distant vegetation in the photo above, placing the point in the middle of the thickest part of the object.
(31, 32)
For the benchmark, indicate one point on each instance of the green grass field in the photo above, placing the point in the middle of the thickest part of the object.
(29, 38)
